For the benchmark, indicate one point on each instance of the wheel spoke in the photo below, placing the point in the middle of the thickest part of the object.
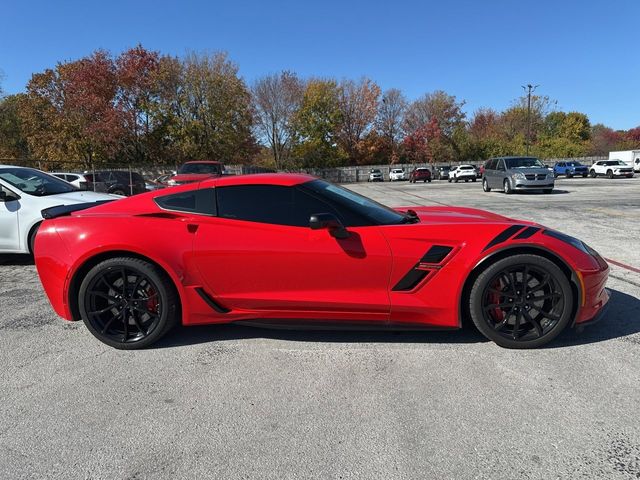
(516, 325)
(500, 326)
(501, 293)
(525, 280)
(125, 334)
(533, 322)
(138, 323)
(144, 310)
(111, 320)
(136, 286)
(103, 295)
(550, 315)
(546, 297)
(125, 281)
(493, 306)
(106, 309)
(541, 285)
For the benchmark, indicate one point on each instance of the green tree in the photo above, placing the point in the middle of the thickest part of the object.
(13, 143)
(317, 123)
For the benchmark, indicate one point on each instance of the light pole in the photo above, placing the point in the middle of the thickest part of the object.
(529, 88)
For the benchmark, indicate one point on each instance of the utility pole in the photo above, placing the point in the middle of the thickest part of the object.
(529, 88)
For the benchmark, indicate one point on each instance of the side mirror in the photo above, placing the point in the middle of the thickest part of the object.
(320, 221)
(7, 197)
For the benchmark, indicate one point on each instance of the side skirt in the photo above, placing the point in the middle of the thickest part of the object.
(291, 324)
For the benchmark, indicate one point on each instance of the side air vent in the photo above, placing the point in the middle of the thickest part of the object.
(430, 262)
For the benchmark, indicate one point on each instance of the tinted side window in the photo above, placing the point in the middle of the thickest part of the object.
(194, 201)
(491, 164)
(276, 205)
(500, 164)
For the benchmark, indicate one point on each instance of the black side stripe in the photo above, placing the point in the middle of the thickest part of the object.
(211, 302)
(504, 235)
(526, 233)
(435, 255)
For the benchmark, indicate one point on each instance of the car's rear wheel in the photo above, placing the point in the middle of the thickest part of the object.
(473, 179)
(548, 190)
(523, 301)
(507, 186)
(128, 303)
(569, 175)
(593, 173)
(609, 173)
(584, 175)
(485, 185)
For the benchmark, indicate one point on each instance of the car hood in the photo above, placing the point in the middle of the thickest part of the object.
(192, 177)
(445, 215)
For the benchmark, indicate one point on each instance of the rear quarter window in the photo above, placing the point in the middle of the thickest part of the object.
(202, 202)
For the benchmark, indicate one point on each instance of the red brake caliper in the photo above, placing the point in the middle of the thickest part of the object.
(494, 298)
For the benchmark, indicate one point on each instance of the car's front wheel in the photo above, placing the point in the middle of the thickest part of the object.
(485, 185)
(506, 186)
(609, 173)
(522, 301)
(128, 303)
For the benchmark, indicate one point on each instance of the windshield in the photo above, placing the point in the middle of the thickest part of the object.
(615, 162)
(379, 214)
(574, 164)
(206, 168)
(34, 182)
(523, 162)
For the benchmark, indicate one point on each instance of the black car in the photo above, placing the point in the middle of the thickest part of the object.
(442, 173)
(122, 182)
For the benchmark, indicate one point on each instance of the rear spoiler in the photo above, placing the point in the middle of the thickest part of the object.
(62, 210)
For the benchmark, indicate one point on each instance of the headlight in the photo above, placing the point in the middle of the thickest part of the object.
(570, 240)
(519, 175)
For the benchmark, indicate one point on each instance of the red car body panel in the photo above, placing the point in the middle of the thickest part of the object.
(266, 271)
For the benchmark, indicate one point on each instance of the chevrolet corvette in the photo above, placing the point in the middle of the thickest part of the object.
(293, 251)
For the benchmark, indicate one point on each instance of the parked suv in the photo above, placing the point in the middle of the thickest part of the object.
(517, 173)
(442, 173)
(82, 181)
(611, 168)
(375, 175)
(122, 182)
(396, 174)
(463, 172)
(420, 174)
(570, 169)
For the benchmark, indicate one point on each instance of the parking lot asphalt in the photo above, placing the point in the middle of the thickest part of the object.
(234, 402)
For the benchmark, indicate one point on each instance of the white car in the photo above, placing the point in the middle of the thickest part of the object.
(463, 172)
(396, 174)
(375, 175)
(611, 168)
(24, 193)
(83, 181)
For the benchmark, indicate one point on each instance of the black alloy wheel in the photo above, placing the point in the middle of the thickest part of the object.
(128, 303)
(523, 301)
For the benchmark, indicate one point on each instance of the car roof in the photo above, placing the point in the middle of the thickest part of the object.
(513, 156)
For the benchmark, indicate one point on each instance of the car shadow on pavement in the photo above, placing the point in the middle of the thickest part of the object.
(182, 336)
(16, 259)
(621, 320)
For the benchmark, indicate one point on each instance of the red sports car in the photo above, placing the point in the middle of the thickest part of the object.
(287, 250)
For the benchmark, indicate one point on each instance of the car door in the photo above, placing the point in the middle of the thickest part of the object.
(499, 174)
(9, 225)
(259, 253)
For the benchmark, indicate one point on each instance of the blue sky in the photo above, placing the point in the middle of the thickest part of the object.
(584, 54)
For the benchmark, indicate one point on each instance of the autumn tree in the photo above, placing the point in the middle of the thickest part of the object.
(357, 103)
(13, 143)
(276, 99)
(136, 71)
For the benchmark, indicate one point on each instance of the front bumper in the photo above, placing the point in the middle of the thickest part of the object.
(600, 313)
(533, 184)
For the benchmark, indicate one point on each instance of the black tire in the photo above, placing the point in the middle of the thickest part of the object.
(456, 180)
(473, 179)
(522, 301)
(424, 181)
(485, 185)
(119, 191)
(548, 190)
(555, 175)
(429, 180)
(593, 173)
(584, 175)
(32, 238)
(449, 180)
(149, 302)
(506, 186)
(466, 180)
(609, 173)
